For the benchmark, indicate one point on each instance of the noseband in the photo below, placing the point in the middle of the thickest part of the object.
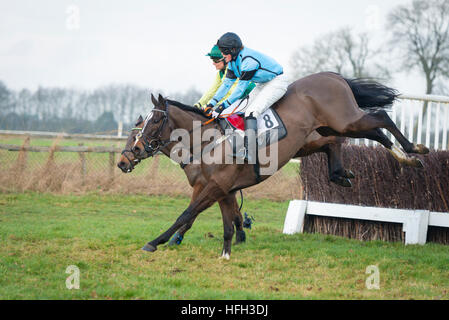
(134, 162)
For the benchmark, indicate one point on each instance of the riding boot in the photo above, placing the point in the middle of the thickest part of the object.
(250, 139)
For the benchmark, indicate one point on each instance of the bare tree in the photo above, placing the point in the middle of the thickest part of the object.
(421, 31)
(5, 97)
(342, 52)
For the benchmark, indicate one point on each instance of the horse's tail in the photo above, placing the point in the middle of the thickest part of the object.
(370, 94)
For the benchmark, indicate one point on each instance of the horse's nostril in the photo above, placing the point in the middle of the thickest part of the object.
(121, 164)
(136, 149)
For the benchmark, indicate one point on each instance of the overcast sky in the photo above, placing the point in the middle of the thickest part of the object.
(162, 44)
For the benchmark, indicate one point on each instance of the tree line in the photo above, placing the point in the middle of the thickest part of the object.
(78, 111)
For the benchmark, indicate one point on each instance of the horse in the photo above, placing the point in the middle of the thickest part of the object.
(326, 102)
(331, 146)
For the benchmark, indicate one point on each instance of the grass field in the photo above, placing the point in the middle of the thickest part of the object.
(43, 234)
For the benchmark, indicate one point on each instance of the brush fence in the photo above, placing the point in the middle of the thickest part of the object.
(415, 222)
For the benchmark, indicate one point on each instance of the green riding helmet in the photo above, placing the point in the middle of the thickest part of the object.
(215, 53)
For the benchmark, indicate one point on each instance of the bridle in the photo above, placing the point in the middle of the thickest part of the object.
(154, 143)
(134, 162)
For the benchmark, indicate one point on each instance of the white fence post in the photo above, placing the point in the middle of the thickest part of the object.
(120, 129)
(415, 227)
(294, 220)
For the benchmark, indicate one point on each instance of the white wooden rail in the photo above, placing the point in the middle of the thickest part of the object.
(415, 222)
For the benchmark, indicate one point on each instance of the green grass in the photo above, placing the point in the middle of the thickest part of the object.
(43, 234)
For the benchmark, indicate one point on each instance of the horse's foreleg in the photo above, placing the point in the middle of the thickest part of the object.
(337, 173)
(179, 235)
(329, 144)
(211, 193)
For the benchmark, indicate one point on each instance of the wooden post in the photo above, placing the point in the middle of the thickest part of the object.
(22, 157)
(83, 165)
(111, 166)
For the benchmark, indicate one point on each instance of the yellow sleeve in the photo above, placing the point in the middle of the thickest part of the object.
(209, 94)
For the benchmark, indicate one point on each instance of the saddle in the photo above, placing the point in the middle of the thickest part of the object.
(270, 129)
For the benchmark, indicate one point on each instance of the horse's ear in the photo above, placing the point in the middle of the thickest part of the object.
(161, 100)
(153, 99)
(139, 120)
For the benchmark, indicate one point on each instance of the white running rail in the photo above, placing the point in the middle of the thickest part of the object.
(415, 222)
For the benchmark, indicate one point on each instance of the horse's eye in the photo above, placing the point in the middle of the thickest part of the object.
(156, 120)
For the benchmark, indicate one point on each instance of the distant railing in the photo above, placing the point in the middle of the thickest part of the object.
(52, 135)
(422, 119)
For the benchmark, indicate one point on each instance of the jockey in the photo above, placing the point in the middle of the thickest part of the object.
(221, 65)
(249, 66)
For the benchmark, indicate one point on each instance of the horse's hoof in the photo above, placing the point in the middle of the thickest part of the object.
(349, 174)
(148, 247)
(421, 149)
(240, 237)
(343, 182)
(416, 163)
(225, 256)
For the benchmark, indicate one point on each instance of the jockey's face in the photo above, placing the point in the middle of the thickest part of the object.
(227, 57)
(219, 65)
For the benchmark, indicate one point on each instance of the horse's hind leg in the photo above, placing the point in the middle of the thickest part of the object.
(379, 136)
(240, 235)
(380, 119)
(227, 214)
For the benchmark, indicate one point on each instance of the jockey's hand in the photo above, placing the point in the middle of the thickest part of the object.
(208, 110)
(218, 110)
(197, 105)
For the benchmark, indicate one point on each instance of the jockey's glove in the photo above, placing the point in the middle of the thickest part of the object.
(217, 111)
(208, 110)
(197, 105)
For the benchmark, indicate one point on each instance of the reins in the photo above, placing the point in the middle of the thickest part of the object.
(208, 112)
(154, 143)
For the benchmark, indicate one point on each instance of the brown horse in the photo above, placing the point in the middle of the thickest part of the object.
(325, 102)
(331, 146)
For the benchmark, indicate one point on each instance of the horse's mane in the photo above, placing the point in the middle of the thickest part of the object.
(186, 107)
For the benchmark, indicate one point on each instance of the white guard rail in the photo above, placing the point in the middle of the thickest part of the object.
(415, 222)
